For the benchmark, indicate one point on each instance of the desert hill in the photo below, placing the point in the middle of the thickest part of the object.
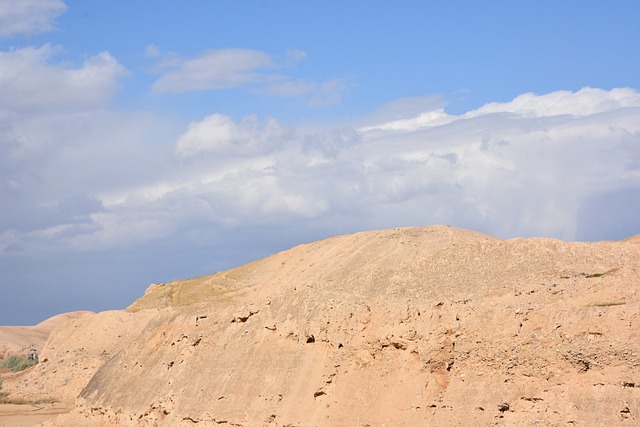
(412, 326)
(21, 339)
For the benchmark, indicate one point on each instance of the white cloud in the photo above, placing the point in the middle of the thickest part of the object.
(294, 56)
(581, 103)
(510, 175)
(152, 51)
(285, 86)
(321, 94)
(506, 174)
(26, 17)
(221, 135)
(30, 80)
(407, 114)
(586, 101)
(330, 92)
(429, 118)
(58, 170)
(405, 108)
(214, 69)
(254, 70)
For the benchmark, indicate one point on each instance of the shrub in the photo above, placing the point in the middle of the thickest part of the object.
(17, 363)
(3, 394)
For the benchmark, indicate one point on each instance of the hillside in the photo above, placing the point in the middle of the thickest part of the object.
(21, 339)
(412, 326)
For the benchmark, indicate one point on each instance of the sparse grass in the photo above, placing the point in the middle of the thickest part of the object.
(6, 400)
(17, 363)
(606, 303)
(3, 394)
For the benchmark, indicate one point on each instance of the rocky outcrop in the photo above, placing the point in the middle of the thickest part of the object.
(417, 326)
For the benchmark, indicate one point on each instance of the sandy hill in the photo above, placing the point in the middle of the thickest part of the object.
(20, 339)
(402, 327)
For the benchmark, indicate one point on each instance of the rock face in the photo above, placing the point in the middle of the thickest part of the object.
(403, 327)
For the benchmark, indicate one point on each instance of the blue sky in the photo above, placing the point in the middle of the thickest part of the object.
(149, 141)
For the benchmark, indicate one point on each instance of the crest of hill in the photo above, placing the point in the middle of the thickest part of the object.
(331, 260)
(407, 260)
(19, 339)
(633, 239)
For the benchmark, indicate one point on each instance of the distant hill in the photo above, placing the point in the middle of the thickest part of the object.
(20, 339)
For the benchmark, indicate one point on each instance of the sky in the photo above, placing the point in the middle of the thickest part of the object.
(148, 141)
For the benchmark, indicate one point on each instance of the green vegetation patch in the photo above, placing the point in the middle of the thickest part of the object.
(17, 363)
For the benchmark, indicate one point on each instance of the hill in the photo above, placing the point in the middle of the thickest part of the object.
(412, 326)
(21, 339)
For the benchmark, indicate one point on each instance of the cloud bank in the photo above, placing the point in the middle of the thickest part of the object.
(529, 167)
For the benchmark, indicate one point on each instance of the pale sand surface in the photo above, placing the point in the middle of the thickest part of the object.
(30, 415)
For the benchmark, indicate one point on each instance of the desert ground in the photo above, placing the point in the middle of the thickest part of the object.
(30, 414)
(400, 327)
(22, 340)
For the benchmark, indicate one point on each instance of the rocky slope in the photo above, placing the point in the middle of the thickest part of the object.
(415, 326)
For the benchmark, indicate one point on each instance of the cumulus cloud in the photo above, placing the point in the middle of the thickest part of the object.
(581, 103)
(59, 171)
(221, 135)
(27, 17)
(52, 143)
(514, 172)
(515, 175)
(586, 101)
(526, 167)
(406, 108)
(528, 173)
(30, 80)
